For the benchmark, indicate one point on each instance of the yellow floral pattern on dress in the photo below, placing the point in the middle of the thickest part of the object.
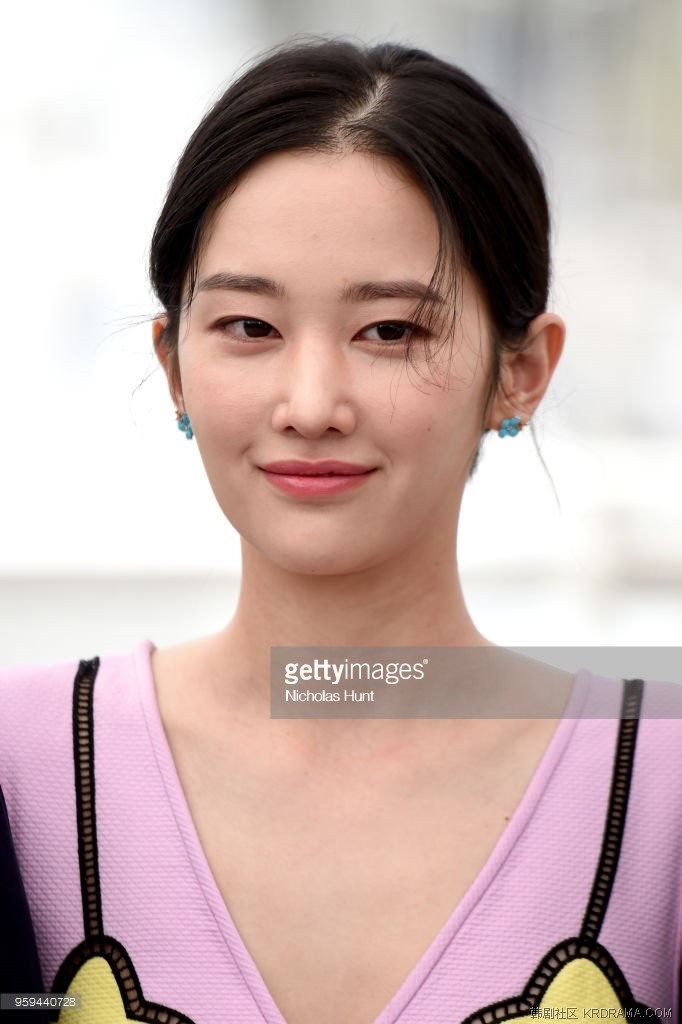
(110, 995)
(577, 980)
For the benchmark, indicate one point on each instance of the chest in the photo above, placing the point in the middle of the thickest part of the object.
(339, 884)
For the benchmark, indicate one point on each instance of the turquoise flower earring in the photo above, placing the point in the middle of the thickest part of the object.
(510, 427)
(184, 424)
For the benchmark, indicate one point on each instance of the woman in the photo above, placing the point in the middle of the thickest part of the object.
(353, 265)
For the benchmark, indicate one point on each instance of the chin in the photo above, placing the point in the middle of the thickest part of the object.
(324, 563)
(305, 559)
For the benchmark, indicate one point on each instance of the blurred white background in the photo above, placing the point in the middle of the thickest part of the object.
(108, 530)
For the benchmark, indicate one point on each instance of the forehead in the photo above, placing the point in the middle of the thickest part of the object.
(325, 215)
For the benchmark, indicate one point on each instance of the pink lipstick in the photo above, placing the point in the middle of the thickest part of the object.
(316, 479)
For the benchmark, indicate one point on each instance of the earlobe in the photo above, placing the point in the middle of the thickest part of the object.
(525, 373)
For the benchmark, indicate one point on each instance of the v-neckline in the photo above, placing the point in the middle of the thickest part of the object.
(198, 861)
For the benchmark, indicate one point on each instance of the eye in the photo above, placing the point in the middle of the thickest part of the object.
(393, 332)
(246, 329)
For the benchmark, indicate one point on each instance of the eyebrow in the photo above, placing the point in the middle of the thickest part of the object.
(241, 283)
(366, 291)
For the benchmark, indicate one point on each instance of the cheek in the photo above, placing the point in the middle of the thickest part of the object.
(221, 404)
(442, 423)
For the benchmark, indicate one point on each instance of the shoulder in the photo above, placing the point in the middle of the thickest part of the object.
(662, 701)
(658, 757)
(31, 688)
(651, 731)
(628, 740)
(34, 701)
(646, 699)
(17, 681)
(36, 716)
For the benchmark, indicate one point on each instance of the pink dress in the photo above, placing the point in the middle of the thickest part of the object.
(577, 913)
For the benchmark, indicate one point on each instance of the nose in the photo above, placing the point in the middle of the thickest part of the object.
(315, 389)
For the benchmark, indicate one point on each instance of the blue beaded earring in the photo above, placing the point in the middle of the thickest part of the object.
(184, 424)
(510, 427)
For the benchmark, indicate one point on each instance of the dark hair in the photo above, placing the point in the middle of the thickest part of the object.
(446, 131)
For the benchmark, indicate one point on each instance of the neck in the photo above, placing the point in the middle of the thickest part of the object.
(410, 601)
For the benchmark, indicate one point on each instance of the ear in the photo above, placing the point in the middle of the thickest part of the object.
(526, 372)
(167, 354)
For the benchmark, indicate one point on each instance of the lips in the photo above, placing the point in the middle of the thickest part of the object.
(322, 479)
(327, 467)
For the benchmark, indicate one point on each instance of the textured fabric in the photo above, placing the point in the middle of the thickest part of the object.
(163, 912)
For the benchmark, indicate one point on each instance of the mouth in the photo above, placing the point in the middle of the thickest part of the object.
(316, 479)
(327, 467)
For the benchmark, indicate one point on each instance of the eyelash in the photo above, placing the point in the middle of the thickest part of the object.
(413, 330)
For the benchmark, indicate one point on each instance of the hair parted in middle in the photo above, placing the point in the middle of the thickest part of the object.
(428, 116)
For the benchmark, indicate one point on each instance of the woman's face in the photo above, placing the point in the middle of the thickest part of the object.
(293, 351)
